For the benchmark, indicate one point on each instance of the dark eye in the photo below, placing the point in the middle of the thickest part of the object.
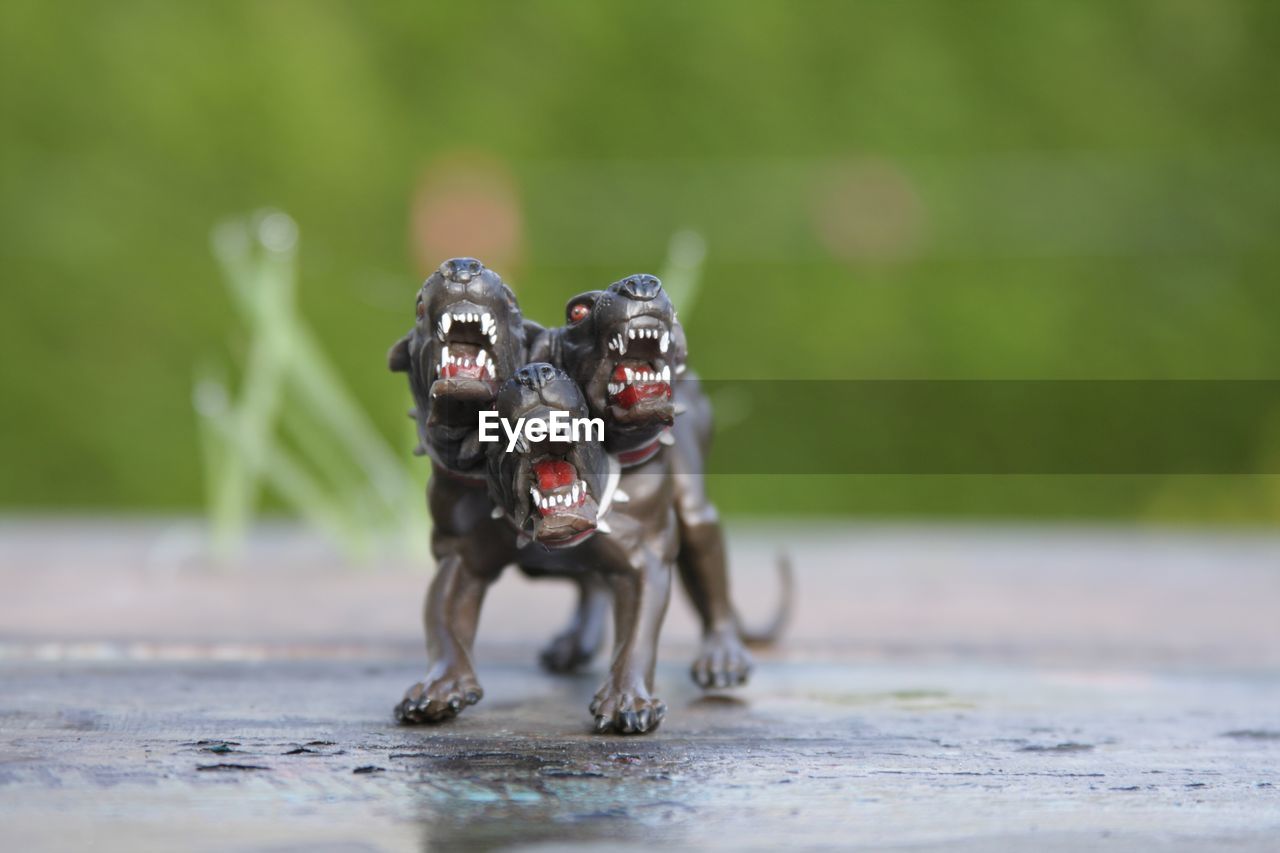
(578, 313)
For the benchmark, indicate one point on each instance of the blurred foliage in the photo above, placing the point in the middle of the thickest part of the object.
(923, 188)
(293, 427)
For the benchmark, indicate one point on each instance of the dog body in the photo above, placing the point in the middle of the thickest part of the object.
(463, 356)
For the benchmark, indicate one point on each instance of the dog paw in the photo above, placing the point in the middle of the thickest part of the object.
(723, 662)
(566, 653)
(438, 700)
(627, 712)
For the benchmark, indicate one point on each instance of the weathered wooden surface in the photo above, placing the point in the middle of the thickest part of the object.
(1007, 704)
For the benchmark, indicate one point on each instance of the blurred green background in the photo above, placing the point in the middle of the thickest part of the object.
(918, 189)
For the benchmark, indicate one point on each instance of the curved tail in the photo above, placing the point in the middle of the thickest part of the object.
(769, 634)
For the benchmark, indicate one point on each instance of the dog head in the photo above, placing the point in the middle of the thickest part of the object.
(623, 346)
(468, 338)
(551, 490)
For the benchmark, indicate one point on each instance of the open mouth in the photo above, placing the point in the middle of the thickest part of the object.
(641, 372)
(467, 341)
(566, 509)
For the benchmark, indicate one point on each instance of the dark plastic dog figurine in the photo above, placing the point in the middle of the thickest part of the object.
(469, 339)
(621, 349)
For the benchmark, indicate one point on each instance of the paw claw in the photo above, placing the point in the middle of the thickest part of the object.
(626, 712)
(440, 700)
(723, 662)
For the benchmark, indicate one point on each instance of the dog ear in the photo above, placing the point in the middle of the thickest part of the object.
(398, 356)
(580, 307)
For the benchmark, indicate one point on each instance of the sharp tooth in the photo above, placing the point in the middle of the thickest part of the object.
(620, 497)
(602, 526)
(481, 357)
(496, 512)
(631, 333)
(631, 374)
(667, 438)
(574, 492)
(665, 342)
(680, 369)
(445, 322)
(666, 373)
(444, 353)
(486, 320)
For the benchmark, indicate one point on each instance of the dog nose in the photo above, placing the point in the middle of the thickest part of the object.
(643, 287)
(539, 374)
(461, 270)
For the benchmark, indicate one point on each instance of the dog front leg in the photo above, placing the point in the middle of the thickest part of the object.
(451, 614)
(625, 703)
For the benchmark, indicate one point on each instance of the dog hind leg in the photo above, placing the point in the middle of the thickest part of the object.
(578, 644)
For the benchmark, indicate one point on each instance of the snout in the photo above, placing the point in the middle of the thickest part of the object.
(564, 509)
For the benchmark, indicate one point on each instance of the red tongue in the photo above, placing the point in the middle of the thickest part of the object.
(633, 394)
(553, 473)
